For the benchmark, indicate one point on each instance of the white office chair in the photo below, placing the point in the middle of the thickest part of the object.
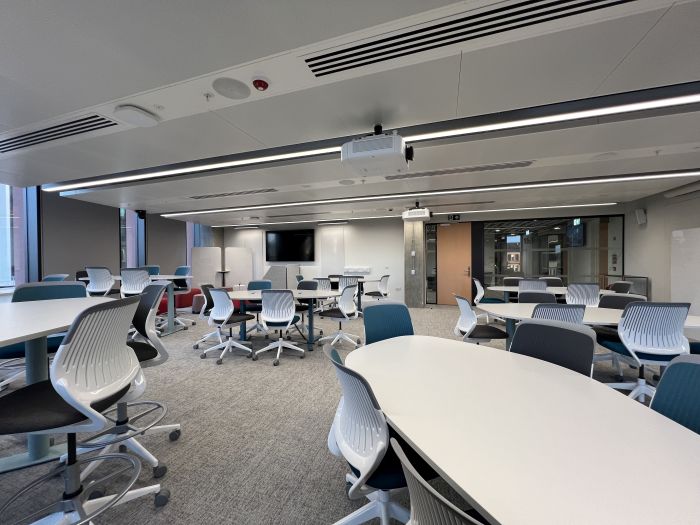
(583, 293)
(565, 313)
(133, 281)
(223, 316)
(346, 311)
(650, 334)
(93, 367)
(468, 327)
(532, 285)
(182, 287)
(324, 284)
(204, 315)
(278, 312)
(382, 291)
(101, 280)
(360, 435)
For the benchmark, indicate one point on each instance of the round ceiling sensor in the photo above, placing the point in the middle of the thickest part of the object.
(135, 115)
(231, 88)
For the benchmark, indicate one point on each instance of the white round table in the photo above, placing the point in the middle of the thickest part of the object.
(527, 442)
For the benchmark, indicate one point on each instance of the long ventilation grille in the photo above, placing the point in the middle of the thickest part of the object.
(467, 169)
(478, 25)
(79, 126)
(233, 193)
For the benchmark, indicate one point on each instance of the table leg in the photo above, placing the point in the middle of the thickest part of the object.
(510, 330)
(310, 339)
(38, 445)
(242, 329)
(170, 324)
(360, 292)
(506, 297)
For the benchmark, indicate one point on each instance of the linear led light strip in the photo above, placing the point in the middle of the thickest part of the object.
(461, 191)
(499, 126)
(340, 221)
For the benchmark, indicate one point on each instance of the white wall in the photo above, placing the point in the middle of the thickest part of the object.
(648, 246)
(377, 244)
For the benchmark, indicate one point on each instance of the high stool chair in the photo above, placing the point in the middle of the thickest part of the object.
(92, 369)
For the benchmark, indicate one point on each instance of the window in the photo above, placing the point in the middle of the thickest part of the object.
(127, 238)
(13, 236)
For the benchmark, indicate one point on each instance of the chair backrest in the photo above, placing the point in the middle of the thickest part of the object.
(261, 284)
(300, 278)
(479, 291)
(55, 277)
(222, 306)
(134, 280)
(277, 306)
(619, 301)
(48, 290)
(384, 320)
(511, 281)
(536, 297)
(151, 269)
(621, 286)
(427, 504)
(183, 283)
(678, 393)
(564, 344)
(94, 362)
(346, 301)
(80, 274)
(553, 281)
(467, 318)
(101, 279)
(208, 300)
(324, 283)
(347, 280)
(583, 293)
(566, 313)
(149, 301)
(654, 328)
(532, 285)
(383, 285)
(359, 428)
(307, 285)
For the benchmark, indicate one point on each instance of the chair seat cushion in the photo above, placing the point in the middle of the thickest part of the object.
(294, 321)
(143, 351)
(375, 293)
(17, 350)
(39, 407)
(240, 318)
(619, 348)
(486, 331)
(336, 313)
(490, 300)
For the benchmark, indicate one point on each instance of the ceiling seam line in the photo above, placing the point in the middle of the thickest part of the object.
(227, 121)
(459, 82)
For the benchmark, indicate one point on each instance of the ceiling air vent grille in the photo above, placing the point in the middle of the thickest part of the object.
(462, 29)
(467, 169)
(71, 128)
(233, 193)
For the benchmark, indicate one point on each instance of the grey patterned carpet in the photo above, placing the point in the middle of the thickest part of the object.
(253, 446)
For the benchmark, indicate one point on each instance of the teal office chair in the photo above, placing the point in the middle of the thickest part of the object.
(152, 269)
(11, 356)
(384, 320)
(678, 393)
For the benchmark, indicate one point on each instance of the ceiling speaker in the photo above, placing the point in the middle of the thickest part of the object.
(641, 216)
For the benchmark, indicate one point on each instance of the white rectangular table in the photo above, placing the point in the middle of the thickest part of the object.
(31, 322)
(527, 442)
(256, 295)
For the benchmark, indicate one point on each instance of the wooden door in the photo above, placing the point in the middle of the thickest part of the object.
(454, 261)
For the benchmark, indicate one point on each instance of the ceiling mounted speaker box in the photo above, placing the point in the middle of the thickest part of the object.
(641, 216)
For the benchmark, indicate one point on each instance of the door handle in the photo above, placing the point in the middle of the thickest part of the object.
(468, 271)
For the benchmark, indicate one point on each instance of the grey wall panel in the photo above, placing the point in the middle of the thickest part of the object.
(75, 234)
(166, 243)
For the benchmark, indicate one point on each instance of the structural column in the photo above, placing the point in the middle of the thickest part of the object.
(414, 263)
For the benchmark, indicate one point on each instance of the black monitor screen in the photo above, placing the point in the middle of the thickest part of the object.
(289, 246)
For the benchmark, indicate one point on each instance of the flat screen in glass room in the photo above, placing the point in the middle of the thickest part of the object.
(289, 246)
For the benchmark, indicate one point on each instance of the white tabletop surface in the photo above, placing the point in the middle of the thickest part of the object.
(31, 319)
(166, 277)
(593, 315)
(256, 295)
(528, 442)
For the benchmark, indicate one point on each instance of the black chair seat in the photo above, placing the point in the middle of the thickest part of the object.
(375, 293)
(143, 351)
(240, 318)
(486, 331)
(39, 407)
(332, 312)
(301, 308)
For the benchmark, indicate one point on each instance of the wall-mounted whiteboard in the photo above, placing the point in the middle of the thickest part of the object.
(685, 267)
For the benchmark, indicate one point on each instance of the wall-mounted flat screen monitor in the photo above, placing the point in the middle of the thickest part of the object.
(289, 246)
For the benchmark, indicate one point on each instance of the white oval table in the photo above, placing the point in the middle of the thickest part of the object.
(531, 443)
(556, 290)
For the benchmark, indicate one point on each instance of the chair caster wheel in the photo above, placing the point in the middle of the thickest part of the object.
(254, 357)
(276, 362)
(320, 332)
(302, 356)
(359, 341)
(194, 323)
(195, 347)
(202, 356)
(289, 338)
(348, 486)
(162, 498)
(185, 327)
(159, 471)
(267, 336)
(249, 356)
(122, 449)
(175, 435)
(95, 494)
(219, 361)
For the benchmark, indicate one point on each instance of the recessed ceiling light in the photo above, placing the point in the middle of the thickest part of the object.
(231, 88)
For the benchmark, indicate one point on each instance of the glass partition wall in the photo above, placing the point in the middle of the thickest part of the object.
(577, 249)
